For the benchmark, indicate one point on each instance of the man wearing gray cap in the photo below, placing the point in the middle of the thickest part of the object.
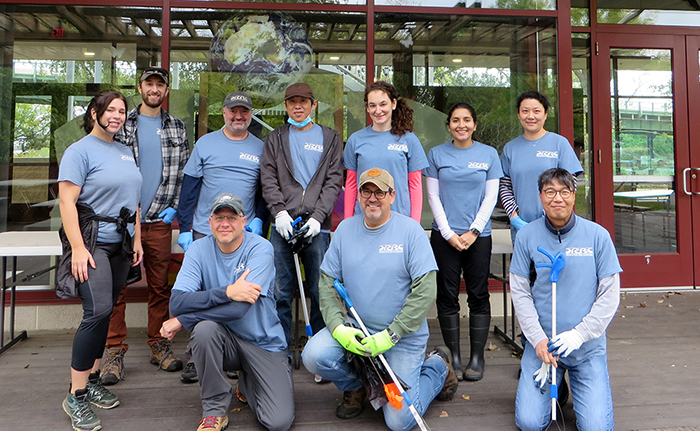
(301, 175)
(224, 296)
(225, 160)
(159, 143)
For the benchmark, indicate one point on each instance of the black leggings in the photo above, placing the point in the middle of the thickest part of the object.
(99, 294)
(473, 264)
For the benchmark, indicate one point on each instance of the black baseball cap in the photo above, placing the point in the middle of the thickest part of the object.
(156, 71)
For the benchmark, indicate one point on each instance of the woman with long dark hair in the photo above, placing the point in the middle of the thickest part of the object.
(462, 181)
(99, 188)
(389, 143)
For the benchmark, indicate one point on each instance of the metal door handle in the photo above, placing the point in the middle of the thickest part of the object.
(685, 182)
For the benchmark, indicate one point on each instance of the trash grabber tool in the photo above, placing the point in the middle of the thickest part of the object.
(298, 244)
(396, 386)
(556, 265)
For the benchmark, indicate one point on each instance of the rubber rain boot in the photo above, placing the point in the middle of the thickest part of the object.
(479, 325)
(449, 325)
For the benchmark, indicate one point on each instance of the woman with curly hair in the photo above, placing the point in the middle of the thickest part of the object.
(389, 143)
(99, 187)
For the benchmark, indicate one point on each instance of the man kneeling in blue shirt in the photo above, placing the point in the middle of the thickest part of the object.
(588, 294)
(224, 296)
(386, 263)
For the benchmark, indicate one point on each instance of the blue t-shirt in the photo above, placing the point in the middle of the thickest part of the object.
(462, 174)
(150, 158)
(206, 267)
(306, 148)
(590, 257)
(378, 267)
(108, 177)
(524, 160)
(225, 166)
(367, 149)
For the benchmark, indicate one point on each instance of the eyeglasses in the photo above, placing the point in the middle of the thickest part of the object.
(220, 218)
(366, 193)
(551, 193)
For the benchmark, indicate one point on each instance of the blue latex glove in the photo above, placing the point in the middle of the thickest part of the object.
(185, 240)
(517, 223)
(168, 215)
(255, 226)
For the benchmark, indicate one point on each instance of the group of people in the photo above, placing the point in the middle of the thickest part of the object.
(133, 174)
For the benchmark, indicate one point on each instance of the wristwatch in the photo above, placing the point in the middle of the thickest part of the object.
(476, 231)
(393, 336)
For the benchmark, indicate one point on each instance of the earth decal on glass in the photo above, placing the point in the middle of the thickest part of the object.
(262, 55)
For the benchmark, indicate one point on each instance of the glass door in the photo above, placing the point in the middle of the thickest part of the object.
(642, 154)
(692, 173)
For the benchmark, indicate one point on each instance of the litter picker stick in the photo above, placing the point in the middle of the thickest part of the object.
(351, 308)
(556, 265)
(309, 331)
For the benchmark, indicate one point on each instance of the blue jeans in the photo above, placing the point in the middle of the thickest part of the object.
(286, 279)
(426, 377)
(590, 388)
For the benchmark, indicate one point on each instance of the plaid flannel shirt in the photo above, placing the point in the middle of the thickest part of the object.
(175, 149)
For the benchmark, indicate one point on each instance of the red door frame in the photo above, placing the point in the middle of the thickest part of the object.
(647, 269)
(693, 68)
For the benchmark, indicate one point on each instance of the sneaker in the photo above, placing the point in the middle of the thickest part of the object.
(100, 396)
(113, 366)
(320, 380)
(232, 374)
(451, 382)
(241, 398)
(78, 408)
(163, 356)
(213, 423)
(189, 374)
(352, 404)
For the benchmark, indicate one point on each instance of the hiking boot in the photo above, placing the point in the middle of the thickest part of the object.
(98, 395)
(163, 356)
(212, 423)
(78, 408)
(241, 398)
(352, 404)
(451, 382)
(113, 366)
(232, 374)
(189, 374)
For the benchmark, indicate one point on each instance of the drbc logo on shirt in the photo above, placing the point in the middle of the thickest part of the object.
(477, 165)
(579, 251)
(128, 158)
(391, 248)
(240, 269)
(249, 157)
(398, 147)
(313, 147)
(548, 154)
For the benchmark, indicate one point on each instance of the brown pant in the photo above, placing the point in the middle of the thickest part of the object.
(155, 240)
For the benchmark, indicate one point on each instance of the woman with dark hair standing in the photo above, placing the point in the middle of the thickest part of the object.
(389, 143)
(527, 156)
(99, 185)
(462, 181)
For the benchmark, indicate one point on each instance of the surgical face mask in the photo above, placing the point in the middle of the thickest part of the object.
(298, 124)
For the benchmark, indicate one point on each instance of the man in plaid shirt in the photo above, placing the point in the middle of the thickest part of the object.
(160, 146)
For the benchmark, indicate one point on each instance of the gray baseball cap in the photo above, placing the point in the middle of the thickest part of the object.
(227, 200)
(238, 98)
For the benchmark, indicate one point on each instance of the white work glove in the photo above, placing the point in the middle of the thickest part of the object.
(313, 227)
(565, 343)
(541, 376)
(283, 224)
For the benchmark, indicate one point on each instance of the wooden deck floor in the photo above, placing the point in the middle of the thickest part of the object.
(653, 359)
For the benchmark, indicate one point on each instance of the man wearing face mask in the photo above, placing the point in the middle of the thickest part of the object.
(301, 173)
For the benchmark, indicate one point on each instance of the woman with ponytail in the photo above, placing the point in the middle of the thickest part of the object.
(389, 143)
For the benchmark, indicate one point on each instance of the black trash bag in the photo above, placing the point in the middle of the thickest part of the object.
(374, 376)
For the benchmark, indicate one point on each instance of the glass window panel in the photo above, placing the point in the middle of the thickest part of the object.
(475, 4)
(436, 61)
(54, 58)
(580, 74)
(649, 12)
(641, 100)
(263, 53)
